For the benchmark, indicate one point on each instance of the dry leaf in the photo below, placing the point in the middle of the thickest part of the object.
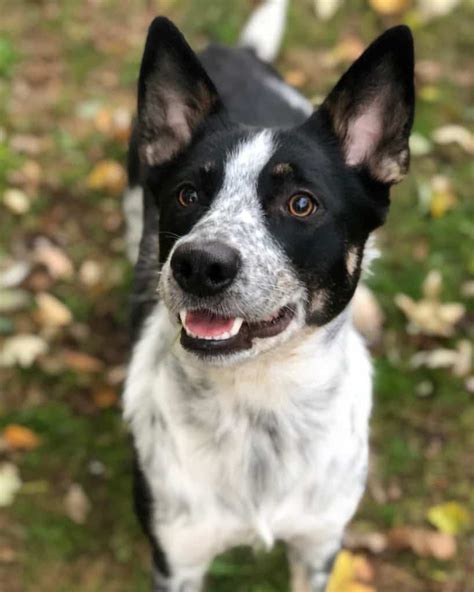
(27, 144)
(14, 300)
(16, 201)
(77, 504)
(28, 176)
(455, 134)
(7, 554)
(443, 197)
(91, 273)
(326, 9)
(10, 483)
(107, 175)
(419, 145)
(467, 289)
(81, 362)
(432, 8)
(22, 350)
(432, 285)
(450, 517)
(51, 312)
(349, 573)
(105, 397)
(18, 437)
(423, 542)
(459, 359)
(55, 260)
(375, 542)
(14, 274)
(114, 123)
(428, 315)
(389, 7)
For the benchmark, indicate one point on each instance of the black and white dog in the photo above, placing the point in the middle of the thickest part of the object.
(249, 391)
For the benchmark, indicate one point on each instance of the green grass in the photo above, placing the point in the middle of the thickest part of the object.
(422, 444)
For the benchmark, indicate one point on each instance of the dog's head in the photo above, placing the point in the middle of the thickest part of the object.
(262, 232)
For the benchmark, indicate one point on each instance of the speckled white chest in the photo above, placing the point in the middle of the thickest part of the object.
(274, 448)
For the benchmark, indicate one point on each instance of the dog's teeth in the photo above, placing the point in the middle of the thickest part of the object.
(235, 327)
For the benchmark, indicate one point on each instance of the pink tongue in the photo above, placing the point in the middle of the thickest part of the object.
(205, 324)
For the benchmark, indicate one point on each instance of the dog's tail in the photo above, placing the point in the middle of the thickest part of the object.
(265, 28)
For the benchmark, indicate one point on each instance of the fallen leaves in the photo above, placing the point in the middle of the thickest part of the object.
(81, 362)
(351, 573)
(17, 201)
(429, 315)
(107, 175)
(436, 8)
(10, 483)
(455, 134)
(326, 9)
(423, 542)
(437, 196)
(114, 123)
(451, 518)
(54, 258)
(77, 504)
(22, 350)
(51, 312)
(443, 197)
(459, 359)
(389, 7)
(18, 437)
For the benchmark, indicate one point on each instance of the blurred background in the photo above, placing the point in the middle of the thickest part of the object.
(68, 71)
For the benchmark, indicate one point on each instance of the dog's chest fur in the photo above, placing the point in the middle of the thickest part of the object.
(270, 451)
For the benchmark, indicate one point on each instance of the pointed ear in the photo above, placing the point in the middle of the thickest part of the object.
(175, 94)
(371, 108)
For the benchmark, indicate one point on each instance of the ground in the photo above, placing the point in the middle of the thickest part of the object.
(67, 90)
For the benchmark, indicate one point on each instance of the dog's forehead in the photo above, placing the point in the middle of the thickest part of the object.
(236, 212)
(245, 162)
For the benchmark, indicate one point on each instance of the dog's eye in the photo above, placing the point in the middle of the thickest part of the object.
(301, 205)
(187, 196)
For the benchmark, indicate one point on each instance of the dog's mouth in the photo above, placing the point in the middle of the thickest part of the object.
(208, 333)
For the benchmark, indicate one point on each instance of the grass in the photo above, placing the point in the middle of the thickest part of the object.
(422, 443)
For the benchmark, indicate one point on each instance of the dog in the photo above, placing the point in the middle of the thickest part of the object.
(248, 393)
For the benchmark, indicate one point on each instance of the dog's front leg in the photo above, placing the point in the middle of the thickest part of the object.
(179, 580)
(311, 563)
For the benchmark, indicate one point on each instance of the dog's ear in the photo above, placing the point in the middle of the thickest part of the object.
(175, 94)
(371, 108)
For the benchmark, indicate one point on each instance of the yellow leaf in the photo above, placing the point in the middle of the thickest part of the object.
(443, 197)
(450, 517)
(389, 7)
(19, 437)
(107, 175)
(429, 93)
(348, 569)
(51, 312)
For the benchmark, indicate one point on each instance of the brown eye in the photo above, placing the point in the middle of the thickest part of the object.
(301, 205)
(187, 196)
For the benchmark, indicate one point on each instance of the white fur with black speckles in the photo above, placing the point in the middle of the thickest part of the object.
(272, 443)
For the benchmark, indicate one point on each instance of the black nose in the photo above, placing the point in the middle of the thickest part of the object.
(205, 269)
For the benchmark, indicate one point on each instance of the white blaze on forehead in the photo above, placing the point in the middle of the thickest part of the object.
(245, 163)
